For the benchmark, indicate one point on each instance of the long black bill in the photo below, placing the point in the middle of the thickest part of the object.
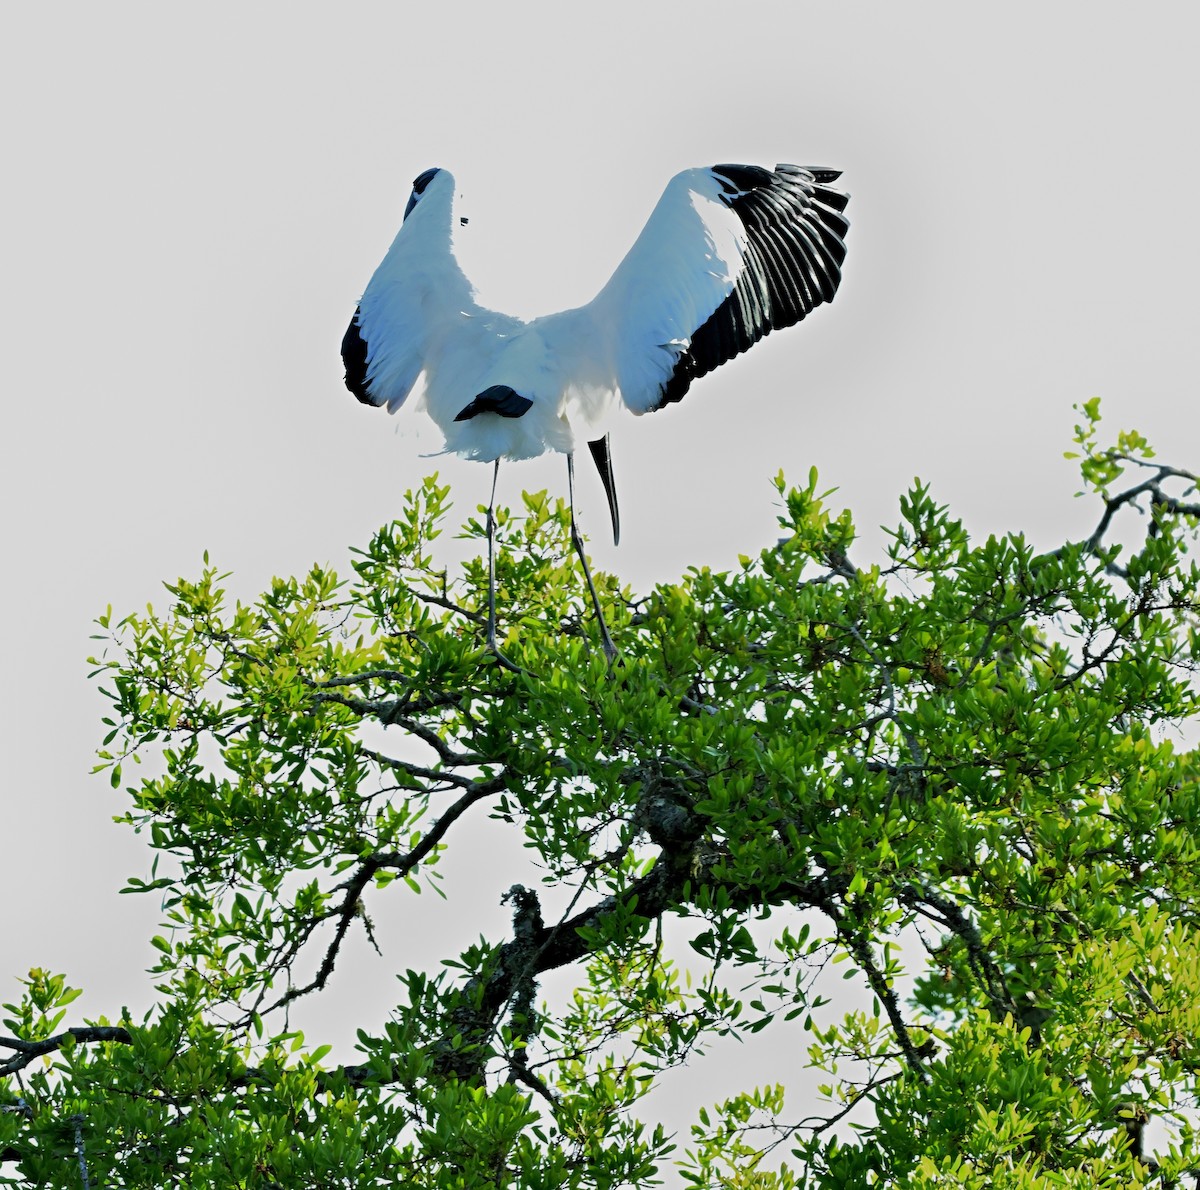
(602, 457)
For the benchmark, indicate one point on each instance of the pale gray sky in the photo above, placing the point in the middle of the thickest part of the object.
(196, 197)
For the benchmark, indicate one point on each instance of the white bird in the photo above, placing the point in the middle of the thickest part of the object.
(728, 255)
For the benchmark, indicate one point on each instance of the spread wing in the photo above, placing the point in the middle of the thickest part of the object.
(389, 339)
(728, 255)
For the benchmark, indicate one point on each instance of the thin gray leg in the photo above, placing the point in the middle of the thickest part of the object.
(491, 536)
(610, 650)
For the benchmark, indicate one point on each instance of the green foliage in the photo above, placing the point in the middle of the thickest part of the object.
(963, 772)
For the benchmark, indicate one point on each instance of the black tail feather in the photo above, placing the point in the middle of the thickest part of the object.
(501, 399)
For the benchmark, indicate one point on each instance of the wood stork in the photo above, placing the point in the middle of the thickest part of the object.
(728, 255)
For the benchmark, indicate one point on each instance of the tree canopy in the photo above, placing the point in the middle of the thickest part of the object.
(963, 775)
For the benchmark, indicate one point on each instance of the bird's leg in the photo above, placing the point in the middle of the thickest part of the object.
(493, 647)
(610, 650)
(602, 455)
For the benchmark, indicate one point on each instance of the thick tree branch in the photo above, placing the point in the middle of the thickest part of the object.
(28, 1051)
(857, 944)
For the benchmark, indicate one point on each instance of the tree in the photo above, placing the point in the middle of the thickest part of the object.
(963, 772)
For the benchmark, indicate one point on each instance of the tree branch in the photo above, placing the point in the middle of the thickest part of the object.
(401, 862)
(27, 1051)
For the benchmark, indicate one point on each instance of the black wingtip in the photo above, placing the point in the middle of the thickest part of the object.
(795, 245)
(821, 173)
(602, 457)
(420, 182)
(354, 356)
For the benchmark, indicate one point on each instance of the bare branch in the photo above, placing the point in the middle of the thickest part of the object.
(417, 770)
(401, 862)
(369, 675)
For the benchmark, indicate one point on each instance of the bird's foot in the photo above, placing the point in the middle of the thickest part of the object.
(611, 652)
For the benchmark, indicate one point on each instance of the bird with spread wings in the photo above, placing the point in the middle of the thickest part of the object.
(728, 255)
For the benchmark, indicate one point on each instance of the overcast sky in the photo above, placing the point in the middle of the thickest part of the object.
(196, 197)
